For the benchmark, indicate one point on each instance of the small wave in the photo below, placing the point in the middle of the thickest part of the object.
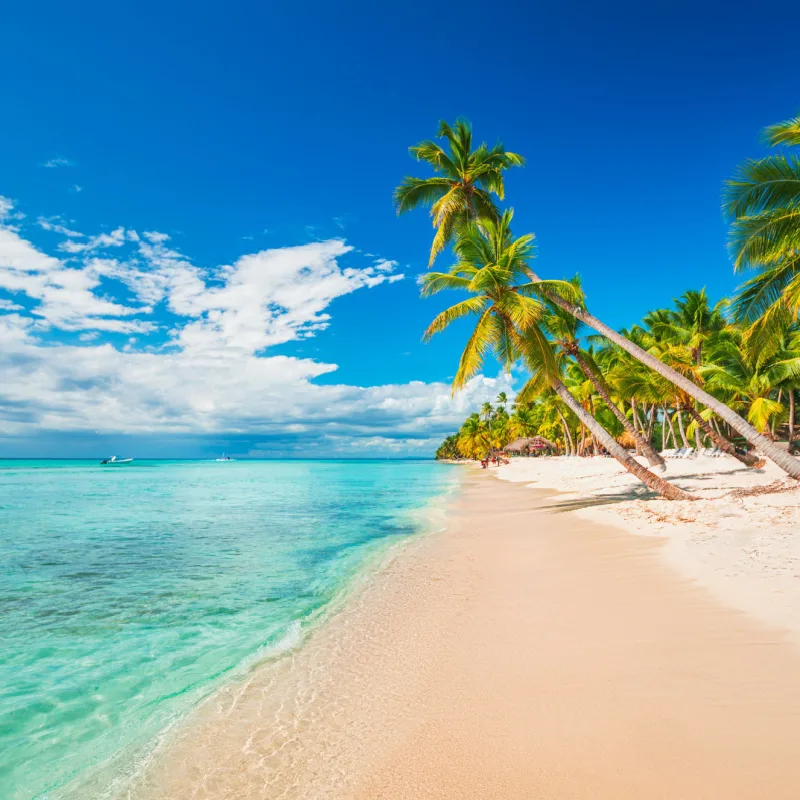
(291, 639)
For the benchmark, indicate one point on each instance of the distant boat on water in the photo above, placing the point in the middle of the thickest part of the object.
(114, 461)
(225, 458)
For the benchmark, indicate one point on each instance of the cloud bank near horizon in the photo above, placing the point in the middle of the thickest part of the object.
(119, 333)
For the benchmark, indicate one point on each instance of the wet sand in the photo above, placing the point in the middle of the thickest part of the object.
(520, 653)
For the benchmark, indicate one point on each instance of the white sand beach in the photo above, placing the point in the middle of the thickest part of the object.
(740, 543)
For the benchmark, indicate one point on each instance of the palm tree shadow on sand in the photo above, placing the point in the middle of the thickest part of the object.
(634, 493)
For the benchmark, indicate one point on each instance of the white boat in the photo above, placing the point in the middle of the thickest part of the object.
(225, 458)
(114, 461)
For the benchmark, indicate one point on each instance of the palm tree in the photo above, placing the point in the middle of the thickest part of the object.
(473, 439)
(491, 265)
(522, 423)
(786, 462)
(462, 204)
(448, 449)
(680, 345)
(502, 400)
(464, 183)
(764, 203)
(751, 379)
(539, 358)
(564, 329)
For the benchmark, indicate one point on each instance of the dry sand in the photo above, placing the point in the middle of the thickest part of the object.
(743, 547)
(520, 653)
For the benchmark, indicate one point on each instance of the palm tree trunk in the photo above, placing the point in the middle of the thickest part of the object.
(567, 434)
(698, 439)
(637, 425)
(791, 419)
(653, 458)
(671, 428)
(650, 479)
(775, 418)
(789, 464)
(721, 442)
(651, 424)
(680, 428)
(664, 432)
(595, 448)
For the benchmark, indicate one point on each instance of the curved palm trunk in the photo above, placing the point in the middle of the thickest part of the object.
(650, 479)
(595, 448)
(721, 442)
(789, 464)
(791, 419)
(568, 446)
(671, 427)
(653, 458)
(680, 428)
(651, 422)
(636, 424)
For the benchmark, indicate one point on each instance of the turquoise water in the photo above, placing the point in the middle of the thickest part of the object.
(128, 594)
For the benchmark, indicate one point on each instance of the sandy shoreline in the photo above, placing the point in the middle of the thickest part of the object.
(519, 653)
(742, 546)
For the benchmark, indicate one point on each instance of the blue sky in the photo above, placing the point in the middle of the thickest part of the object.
(265, 140)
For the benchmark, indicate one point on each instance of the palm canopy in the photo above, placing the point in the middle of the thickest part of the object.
(492, 266)
(693, 323)
(763, 200)
(464, 183)
(748, 378)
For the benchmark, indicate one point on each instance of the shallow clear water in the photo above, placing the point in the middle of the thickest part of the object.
(128, 594)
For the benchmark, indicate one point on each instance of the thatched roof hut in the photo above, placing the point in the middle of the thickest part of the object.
(526, 445)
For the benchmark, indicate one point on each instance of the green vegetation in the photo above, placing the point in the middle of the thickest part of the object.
(724, 376)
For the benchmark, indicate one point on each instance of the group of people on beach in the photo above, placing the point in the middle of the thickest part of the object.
(495, 459)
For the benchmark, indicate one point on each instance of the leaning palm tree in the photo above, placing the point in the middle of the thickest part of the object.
(764, 202)
(492, 266)
(565, 331)
(789, 464)
(782, 458)
(464, 183)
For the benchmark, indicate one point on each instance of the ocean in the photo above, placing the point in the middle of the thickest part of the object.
(129, 594)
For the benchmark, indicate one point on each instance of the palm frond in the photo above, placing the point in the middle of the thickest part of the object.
(482, 338)
(787, 132)
(414, 192)
(472, 305)
(763, 183)
(435, 282)
(764, 289)
(431, 153)
(766, 237)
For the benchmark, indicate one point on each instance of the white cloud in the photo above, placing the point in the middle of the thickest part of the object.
(102, 241)
(6, 207)
(214, 372)
(55, 225)
(53, 163)
(9, 305)
(75, 188)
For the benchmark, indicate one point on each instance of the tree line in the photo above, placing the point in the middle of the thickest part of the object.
(725, 373)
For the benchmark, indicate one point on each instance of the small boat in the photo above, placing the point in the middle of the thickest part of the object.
(114, 461)
(225, 458)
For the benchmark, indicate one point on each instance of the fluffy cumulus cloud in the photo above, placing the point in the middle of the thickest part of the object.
(119, 332)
